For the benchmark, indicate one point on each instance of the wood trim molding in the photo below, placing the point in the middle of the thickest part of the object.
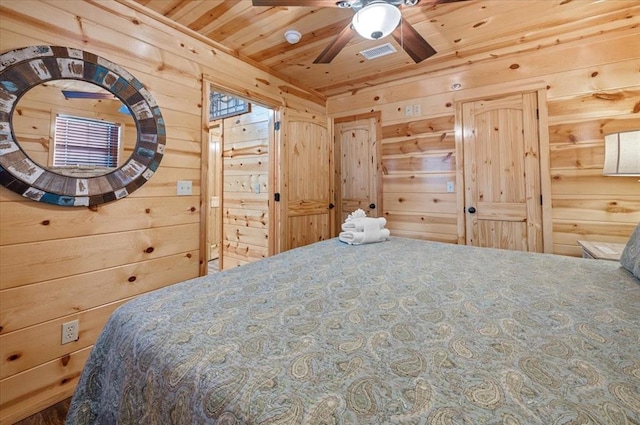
(545, 171)
(498, 90)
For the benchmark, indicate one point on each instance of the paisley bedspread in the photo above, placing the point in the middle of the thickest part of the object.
(399, 332)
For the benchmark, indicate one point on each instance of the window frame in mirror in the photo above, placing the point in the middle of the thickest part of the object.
(23, 68)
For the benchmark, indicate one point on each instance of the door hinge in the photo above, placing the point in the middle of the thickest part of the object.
(537, 113)
(540, 199)
(276, 197)
(276, 125)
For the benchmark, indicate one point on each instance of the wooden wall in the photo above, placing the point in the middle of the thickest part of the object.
(418, 159)
(245, 193)
(592, 85)
(58, 264)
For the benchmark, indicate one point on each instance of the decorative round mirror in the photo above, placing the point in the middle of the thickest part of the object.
(75, 129)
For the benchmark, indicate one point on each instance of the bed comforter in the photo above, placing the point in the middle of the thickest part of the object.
(403, 331)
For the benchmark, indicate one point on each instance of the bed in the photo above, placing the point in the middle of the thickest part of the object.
(398, 332)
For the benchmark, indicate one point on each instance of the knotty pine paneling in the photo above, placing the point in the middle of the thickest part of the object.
(245, 190)
(444, 141)
(439, 227)
(29, 305)
(601, 62)
(41, 386)
(62, 257)
(246, 218)
(418, 160)
(24, 350)
(26, 221)
(585, 204)
(56, 263)
(592, 87)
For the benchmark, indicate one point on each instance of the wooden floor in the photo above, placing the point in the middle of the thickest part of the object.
(56, 414)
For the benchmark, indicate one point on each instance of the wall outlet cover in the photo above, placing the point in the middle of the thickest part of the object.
(70, 331)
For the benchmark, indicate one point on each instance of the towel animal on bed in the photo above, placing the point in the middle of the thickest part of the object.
(359, 229)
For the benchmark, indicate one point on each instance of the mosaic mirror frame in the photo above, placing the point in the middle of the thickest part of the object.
(22, 69)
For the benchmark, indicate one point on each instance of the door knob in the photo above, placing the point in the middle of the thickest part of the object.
(471, 210)
(372, 206)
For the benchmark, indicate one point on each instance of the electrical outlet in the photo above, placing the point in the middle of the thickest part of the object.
(417, 109)
(70, 331)
(450, 187)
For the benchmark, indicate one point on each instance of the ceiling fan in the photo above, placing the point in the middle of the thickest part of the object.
(373, 19)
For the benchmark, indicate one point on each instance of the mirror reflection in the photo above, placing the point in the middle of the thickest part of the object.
(74, 128)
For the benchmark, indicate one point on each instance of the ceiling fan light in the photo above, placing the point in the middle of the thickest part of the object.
(376, 20)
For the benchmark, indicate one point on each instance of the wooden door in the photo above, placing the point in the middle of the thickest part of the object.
(305, 183)
(245, 194)
(502, 173)
(357, 152)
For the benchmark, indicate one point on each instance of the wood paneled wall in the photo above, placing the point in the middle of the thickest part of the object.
(58, 264)
(592, 84)
(245, 193)
(418, 160)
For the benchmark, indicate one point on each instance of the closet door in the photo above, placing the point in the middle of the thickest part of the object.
(305, 180)
(359, 172)
(502, 173)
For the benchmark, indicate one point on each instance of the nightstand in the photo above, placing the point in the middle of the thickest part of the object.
(601, 250)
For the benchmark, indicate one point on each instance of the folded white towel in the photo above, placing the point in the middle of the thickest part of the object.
(358, 224)
(359, 213)
(364, 237)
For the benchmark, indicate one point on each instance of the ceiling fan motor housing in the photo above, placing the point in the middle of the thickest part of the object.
(359, 4)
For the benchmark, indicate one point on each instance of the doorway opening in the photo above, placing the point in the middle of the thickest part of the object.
(238, 175)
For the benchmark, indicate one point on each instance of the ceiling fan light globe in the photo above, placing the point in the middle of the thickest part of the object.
(376, 20)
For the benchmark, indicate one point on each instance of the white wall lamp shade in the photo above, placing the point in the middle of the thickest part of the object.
(376, 20)
(622, 154)
(292, 36)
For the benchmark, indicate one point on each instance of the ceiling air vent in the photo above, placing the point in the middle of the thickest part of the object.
(376, 52)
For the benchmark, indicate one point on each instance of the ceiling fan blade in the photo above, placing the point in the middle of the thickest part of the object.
(72, 94)
(332, 50)
(412, 42)
(308, 3)
(435, 2)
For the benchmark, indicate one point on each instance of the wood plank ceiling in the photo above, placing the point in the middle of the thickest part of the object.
(462, 33)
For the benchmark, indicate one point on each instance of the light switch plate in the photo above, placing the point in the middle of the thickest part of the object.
(451, 187)
(408, 111)
(184, 188)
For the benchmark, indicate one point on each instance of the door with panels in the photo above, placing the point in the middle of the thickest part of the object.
(305, 180)
(503, 201)
(358, 167)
